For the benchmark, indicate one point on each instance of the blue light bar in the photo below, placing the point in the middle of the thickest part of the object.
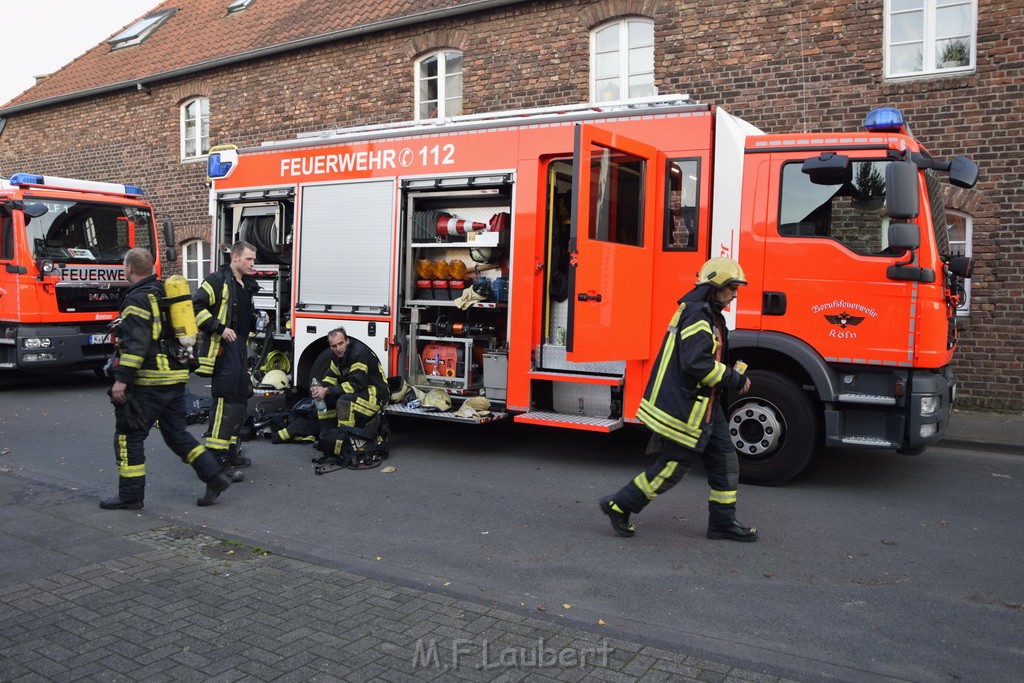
(885, 120)
(217, 167)
(26, 179)
(58, 183)
(221, 161)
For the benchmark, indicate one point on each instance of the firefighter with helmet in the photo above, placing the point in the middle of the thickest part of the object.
(683, 407)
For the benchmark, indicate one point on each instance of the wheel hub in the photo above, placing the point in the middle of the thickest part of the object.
(755, 430)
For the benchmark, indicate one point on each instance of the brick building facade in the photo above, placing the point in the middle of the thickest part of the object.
(817, 66)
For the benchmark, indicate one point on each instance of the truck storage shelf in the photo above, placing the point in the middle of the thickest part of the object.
(442, 302)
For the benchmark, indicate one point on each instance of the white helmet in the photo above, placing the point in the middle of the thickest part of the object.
(275, 379)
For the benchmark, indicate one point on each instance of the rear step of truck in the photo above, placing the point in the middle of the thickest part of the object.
(446, 416)
(590, 424)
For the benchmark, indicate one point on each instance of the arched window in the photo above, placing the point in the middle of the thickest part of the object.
(961, 227)
(622, 60)
(195, 128)
(439, 85)
(195, 261)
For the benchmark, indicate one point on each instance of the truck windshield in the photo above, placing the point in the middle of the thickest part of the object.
(852, 213)
(89, 232)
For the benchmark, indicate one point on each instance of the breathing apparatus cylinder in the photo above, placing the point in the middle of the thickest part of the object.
(183, 317)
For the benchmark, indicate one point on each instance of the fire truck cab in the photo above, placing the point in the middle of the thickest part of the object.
(535, 257)
(62, 245)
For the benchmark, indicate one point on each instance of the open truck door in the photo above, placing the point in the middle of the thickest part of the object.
(614, 231)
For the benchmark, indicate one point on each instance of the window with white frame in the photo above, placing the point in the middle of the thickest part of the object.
(140, 30)
(439, 85)
(195, 262)
(238, 5)
(622, 60)
(195, 128)
(930, 37)
(961, 227)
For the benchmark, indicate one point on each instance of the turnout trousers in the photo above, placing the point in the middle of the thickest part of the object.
(133, 424)
(230, 389)
(720, 462)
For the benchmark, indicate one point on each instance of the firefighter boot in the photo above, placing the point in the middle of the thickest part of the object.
(236, 459)
(732, 531)
(214, 487)
(619, 517)
(116, 503)
(235, 475)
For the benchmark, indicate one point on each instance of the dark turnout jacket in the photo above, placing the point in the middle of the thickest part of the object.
(216, 310)
(143, 340)
(689, 371)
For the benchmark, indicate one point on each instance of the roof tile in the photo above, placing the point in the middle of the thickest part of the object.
(202, 31)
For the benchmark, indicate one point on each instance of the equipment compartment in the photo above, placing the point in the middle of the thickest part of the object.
(454, 289)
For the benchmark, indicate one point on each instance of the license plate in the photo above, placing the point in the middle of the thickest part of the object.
(99, 338)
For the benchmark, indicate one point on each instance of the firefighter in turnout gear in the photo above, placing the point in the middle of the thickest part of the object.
(355, 391)
(683, 407)
(149, 384)
(225, 313)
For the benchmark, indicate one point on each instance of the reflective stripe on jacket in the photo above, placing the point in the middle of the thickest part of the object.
(142, 346)
(360, 375)
(212, 305)
(686, 374)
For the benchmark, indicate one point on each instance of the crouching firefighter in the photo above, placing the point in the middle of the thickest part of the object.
(353, 427)
(150, 369)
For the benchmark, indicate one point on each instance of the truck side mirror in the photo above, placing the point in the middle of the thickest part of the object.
(961, 266)
(35, 210)
(906, 236)
(963, 172)
(170, 254)
(901, 194)
(828, 168)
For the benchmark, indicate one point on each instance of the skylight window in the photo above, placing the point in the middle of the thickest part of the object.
(239, 5)
(140, 30)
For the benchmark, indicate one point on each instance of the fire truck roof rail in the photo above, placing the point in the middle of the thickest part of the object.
(653, 104)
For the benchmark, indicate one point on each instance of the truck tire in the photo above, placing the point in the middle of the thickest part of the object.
(774, 428)
(320, 365)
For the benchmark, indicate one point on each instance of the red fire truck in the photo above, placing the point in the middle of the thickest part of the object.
(62, 244)
(577, 228)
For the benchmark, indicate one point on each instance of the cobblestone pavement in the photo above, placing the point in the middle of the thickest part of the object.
(89, 596)
(179, 605)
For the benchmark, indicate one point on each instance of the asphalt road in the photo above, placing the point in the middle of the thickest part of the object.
(871, 566)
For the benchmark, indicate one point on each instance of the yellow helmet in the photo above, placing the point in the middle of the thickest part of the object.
(398, 388)
(277, 360)
(438, 399)
(721, 272)
(275, 379)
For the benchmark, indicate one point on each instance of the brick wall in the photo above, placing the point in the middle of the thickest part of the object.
(811, 67)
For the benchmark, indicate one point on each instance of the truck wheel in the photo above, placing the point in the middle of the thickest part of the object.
(774, 428)
(320, 365)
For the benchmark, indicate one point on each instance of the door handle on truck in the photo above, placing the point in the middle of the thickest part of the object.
(582, 296)
(773, 303)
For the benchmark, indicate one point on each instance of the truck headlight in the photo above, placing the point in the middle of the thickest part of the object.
(929, 405)
(38, 357)
(37, 342)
